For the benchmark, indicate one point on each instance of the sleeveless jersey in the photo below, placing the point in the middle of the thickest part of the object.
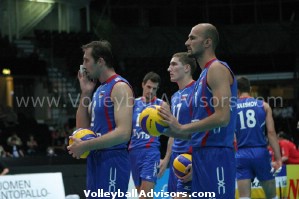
(102, 109)
(139, 138)
(181, 109)
(250, 130)
(202, 103)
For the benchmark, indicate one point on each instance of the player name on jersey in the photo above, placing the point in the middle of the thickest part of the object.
(247, 104)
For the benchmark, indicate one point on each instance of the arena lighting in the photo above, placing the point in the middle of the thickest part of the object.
(270, 76)
(43, 1)
(6, 71)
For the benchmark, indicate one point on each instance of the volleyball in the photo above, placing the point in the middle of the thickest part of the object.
(83, 134)
(151, 122)
(180, 164)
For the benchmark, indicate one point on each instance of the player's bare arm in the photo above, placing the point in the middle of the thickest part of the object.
(219, 81)
(122, 97)
(272, 136)
(164, 162)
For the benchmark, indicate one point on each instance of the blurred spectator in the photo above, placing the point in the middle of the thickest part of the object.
(3, 169)
(17, 139)
(32, 145)
(15, 150)
(290, 154)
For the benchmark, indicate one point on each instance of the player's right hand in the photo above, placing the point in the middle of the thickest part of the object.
(276, 167)
(87, 85)
(74, 149)
(168, 118)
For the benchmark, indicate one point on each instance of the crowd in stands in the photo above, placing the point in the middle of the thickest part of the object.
(22, 136)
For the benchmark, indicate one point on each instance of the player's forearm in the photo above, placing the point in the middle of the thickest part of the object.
(115, 137)
(82, 116)
(179, 135)
(169, 149)
(215, 120)
(274, 144)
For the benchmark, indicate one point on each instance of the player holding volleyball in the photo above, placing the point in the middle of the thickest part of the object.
(252, 156)
(214, 117)
(144, 149)
(181, 68)
(109, 115)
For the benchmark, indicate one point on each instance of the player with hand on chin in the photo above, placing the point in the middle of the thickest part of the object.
(109, 115)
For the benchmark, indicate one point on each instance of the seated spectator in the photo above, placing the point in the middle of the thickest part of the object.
(17, 139)
(15, 150)
(31, 145)
(290, 154)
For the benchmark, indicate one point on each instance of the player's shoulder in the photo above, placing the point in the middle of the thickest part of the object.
(138, 99)
(221, 68)
(122, 90)
(218, 72)
(119, 85)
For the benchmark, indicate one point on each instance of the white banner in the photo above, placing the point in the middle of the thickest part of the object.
(33, 186)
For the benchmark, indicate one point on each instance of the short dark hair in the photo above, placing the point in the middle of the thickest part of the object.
(283, 135)
(154, 77)
(243, 84)
(185, 59)
(102, 49)
(212, 32)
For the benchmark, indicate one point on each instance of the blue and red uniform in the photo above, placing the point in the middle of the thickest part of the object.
(213, 161)
(108, 168)
(181, 109)
(144, 150)
(253, 158)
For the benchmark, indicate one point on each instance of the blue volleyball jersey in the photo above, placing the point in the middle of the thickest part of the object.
(102, 109)
(202, 103)
(181, 109)
(139, 138)
(250, 130)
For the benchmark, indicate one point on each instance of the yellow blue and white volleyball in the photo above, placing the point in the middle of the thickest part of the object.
(180, 164)
(151, 122)
(83, 134)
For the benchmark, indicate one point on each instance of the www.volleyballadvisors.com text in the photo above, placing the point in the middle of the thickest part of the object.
(134, 193)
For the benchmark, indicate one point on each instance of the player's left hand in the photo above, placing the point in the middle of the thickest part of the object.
(276, 167)
(75, 149)
(188, 176)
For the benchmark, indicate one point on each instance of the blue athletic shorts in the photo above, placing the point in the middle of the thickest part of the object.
(175, 184)
(254, 162)
(214, 170)
(144, 164)
(108, 170)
